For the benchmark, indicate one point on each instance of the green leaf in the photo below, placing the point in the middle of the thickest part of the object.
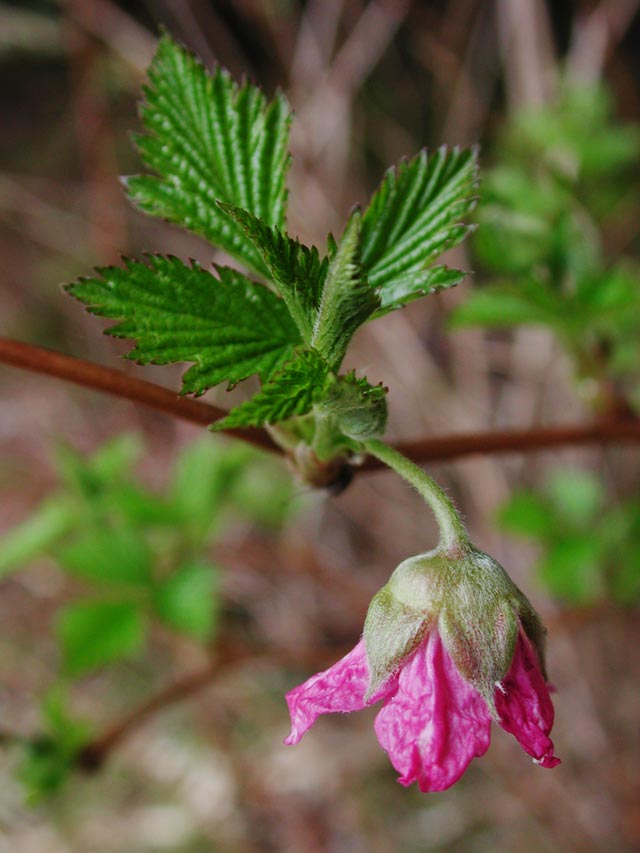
(571, 569)
(69, 731)
(96, 633)
(528, 515)
(264, 494)
(115, 555)
(347, 300)
(38, 534)
(204, 474)
(577, 496)
(116, 457)
(415, 216)
(112, 462)
(139, 507)
(49, 758)
(291, 392)
(208, 139)
(297, 271)
(229, 326)
(186, 601)
(500, 305)
(401, 291)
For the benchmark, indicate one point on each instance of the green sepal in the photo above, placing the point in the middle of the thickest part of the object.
(481, 615)
(392, 630)
(466, 597)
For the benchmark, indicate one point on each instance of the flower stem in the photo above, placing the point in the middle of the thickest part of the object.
(453, 534)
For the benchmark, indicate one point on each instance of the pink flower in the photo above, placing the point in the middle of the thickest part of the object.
(434, 721)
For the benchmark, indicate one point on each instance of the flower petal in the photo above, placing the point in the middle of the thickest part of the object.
(524, 705)
(342, 687)
(435, 722)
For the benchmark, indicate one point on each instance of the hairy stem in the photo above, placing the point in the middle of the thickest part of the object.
(453, 534)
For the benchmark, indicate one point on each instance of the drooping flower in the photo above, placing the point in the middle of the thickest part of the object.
(449, 643)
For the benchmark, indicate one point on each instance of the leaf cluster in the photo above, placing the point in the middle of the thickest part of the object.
(589, 551)
(143, 556)
(559, 193)
(216, 157)
(138, 558)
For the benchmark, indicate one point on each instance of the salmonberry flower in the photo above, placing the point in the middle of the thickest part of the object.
(449, 644)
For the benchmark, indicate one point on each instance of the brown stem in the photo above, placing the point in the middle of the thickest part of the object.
(520, 441)
(438, 449)
(94, 754)
(40, 360)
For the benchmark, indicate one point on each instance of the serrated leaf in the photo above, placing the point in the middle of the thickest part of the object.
(297, 270)
(416, 215)
(229, 326)
(95, 633)
(291, 392)
(186, 600)
(208, 139)
(401, 291)
(347, 299)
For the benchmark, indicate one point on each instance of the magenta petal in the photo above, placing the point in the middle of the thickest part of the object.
(524, 705)
(435, 722)
(342, 687)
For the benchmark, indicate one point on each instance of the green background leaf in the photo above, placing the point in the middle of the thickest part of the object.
(186, 601)
(95, 633)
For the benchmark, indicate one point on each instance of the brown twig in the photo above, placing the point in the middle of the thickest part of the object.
(437, 449)
(228, 654)
(40, 360)
(93, 755)
(443, 448)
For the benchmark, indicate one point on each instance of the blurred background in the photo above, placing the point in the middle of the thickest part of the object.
(162, 589)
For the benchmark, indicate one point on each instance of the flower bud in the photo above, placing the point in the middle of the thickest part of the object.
(469, 599)
(360, 409)
(449, 643)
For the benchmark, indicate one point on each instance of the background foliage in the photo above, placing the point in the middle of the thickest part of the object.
(136, 554)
